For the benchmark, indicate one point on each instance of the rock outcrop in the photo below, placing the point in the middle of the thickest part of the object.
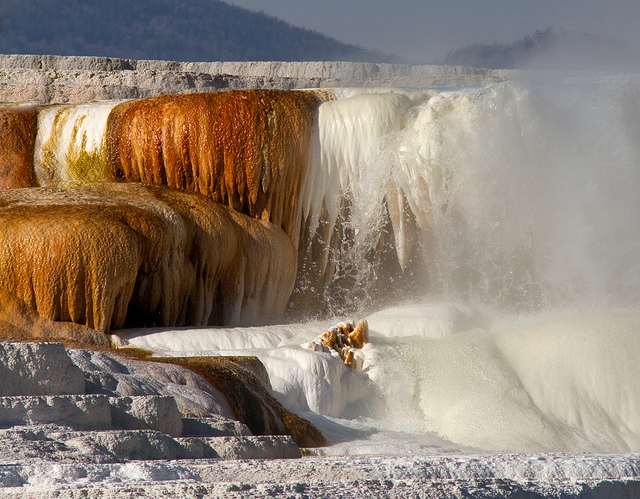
(51, 79)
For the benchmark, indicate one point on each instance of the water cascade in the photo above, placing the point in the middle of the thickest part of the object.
(488, 234)
(510, 196)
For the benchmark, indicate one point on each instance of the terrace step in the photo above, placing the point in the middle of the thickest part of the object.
(214, 426)
(93, 412)
(88, 412)
(108, 446)
(38, 369)
(246, 447)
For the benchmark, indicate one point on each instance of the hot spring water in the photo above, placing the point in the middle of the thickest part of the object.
(507, 319)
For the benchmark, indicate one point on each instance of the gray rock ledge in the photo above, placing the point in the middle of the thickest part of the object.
(121, 410)
(48, 79)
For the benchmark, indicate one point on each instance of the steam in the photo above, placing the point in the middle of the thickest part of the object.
(550, 49)
(519, 197)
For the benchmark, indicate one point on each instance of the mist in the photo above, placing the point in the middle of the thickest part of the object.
(550, 49)
(425, 31)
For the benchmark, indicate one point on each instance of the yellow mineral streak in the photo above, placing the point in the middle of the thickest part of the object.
(70, 144)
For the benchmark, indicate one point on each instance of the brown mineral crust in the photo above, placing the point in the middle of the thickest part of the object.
(243, 269)
(112, 255)
(266, 286)
(19, 322)
(77, 263)
(247, 149)
(186, 288)
(18, 126)
(250, 399)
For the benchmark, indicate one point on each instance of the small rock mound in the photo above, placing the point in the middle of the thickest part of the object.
(346, 339)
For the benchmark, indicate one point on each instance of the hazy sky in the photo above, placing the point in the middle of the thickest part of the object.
(424, 30)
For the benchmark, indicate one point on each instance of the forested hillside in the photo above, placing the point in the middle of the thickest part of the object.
(184, 30)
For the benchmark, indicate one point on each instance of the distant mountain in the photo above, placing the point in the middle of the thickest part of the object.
(549, 49)
(183, 30)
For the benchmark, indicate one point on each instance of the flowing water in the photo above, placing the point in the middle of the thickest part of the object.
(490, 236)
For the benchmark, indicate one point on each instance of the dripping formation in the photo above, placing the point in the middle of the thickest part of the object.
(266, 155)
(110, 255)
(307, 202)
(245, 149)
(223, 254)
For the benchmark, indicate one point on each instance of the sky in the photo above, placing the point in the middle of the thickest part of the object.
(421, 31)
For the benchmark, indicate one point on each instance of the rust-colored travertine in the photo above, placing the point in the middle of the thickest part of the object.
(227, 268)
(268, 286)
(19, 322)
(75, 263)
(247, 149)
(113, 255)
(17, 140)
(184, 289)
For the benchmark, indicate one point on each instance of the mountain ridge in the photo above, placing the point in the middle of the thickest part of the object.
(184, 30)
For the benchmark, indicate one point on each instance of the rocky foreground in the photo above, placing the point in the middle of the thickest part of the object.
(392, 477)
(96, 407)
(87, 415)
(82, 423)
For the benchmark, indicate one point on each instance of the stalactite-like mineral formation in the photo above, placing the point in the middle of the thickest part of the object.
(245, 149)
